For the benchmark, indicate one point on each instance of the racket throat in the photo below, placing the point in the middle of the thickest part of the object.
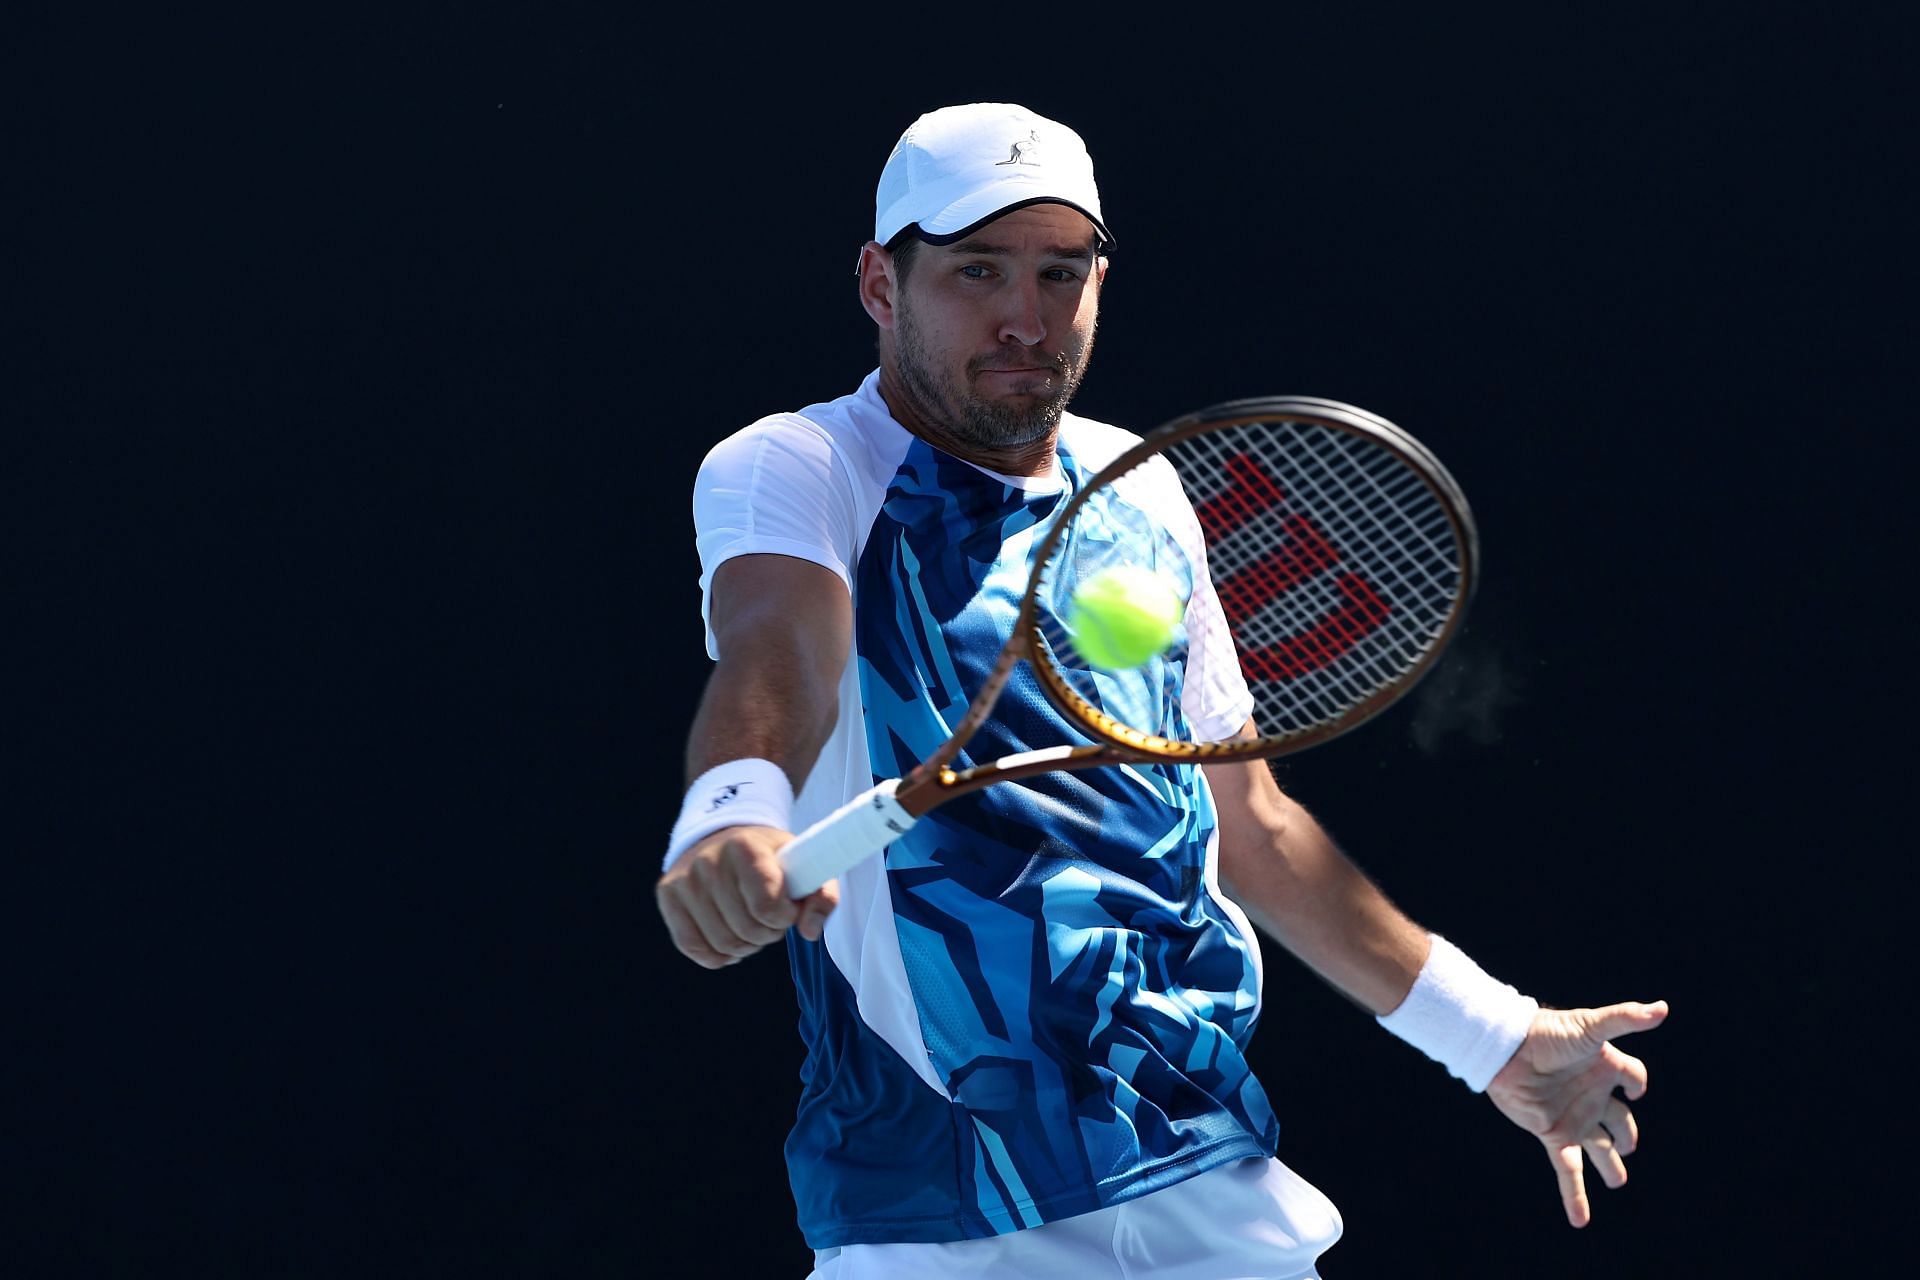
(1022, 764)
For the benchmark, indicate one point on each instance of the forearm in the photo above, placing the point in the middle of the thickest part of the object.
(1296, 885)
(783, 628)
(762, 703)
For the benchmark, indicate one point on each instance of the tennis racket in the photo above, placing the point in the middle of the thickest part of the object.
(1334, 550)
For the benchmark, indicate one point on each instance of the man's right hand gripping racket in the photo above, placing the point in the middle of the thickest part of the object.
(1333, 549)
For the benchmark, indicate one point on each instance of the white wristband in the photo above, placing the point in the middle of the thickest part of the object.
(1457, 1014)
(739, 793)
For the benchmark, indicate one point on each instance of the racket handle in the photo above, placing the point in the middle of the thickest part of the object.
(856, 830)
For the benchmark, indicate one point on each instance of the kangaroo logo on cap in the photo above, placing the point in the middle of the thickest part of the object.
(1021, 150)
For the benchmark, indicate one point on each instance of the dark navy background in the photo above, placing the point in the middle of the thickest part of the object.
(356, 375)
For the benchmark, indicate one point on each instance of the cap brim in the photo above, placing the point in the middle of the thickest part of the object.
(933, 233)
(971, 210)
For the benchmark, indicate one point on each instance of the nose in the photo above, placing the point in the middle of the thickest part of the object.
(1022, 321)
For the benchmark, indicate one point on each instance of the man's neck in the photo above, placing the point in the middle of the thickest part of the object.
(1034, 458)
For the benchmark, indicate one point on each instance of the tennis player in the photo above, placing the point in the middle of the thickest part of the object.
(1026, 1025)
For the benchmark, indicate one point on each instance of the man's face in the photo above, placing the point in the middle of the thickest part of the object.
(992, 334)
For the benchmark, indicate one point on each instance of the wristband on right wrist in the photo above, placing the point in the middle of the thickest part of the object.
(1460, 1016)
(739, 793)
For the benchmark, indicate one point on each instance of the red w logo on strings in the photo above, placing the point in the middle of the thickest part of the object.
(1301, 552)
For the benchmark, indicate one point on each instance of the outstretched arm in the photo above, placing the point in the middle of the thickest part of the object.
(1295, 884)
(1558, 1084)
(783, 628)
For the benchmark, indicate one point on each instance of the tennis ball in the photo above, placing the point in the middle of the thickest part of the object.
(1123, 616)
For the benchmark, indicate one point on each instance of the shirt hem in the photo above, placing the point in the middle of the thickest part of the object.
(948, 1228)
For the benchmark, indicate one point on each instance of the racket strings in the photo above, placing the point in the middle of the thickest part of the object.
(1334, 582)
(1113, 530)
(1360, 491)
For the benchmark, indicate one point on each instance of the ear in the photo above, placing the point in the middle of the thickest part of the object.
(877, 283)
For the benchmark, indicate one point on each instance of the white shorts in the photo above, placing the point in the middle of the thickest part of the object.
(1254, 1219)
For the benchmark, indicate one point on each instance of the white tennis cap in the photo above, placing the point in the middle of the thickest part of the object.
(958, 167)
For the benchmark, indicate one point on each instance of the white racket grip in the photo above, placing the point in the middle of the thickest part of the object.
(859, 828)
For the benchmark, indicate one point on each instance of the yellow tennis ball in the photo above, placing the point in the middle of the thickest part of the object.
(1121, 617)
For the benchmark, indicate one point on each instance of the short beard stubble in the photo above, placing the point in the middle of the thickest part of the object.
(973, 422)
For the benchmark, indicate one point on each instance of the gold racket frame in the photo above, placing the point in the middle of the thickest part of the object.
(936, 780)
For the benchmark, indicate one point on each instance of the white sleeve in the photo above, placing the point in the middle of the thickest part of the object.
(1214, 694)
(775, 487)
